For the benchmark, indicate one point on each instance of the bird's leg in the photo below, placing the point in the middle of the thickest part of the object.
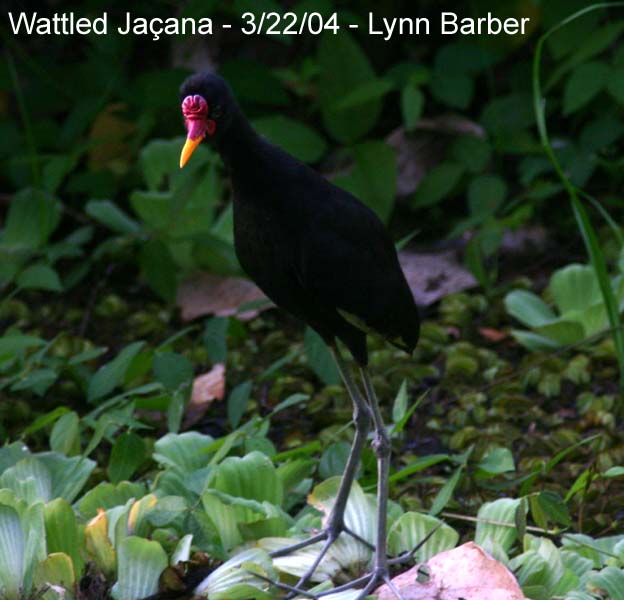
(382, 449)
(335, 524)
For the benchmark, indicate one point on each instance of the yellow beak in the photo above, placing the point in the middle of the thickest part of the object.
(189, 148)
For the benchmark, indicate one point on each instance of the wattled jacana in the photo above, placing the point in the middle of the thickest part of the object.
(320, 254)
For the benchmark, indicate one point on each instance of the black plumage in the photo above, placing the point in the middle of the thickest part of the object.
(313, 248)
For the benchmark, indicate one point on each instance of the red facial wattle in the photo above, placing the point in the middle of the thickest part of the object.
(198, 125)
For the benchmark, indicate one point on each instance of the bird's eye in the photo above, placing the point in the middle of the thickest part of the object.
(216, 112)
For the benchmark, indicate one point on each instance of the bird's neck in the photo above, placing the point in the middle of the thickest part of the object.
(239, 144)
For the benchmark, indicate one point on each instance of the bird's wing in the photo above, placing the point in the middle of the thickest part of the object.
(349, 264)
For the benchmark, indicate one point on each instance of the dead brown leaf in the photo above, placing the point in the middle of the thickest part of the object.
(206, 389)
(205, 293)
(493, 335)
(467, 572)
(434, 276)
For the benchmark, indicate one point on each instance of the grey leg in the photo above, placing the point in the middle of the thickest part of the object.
(335, 523)
(382, 448)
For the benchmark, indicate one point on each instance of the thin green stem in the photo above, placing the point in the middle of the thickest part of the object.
(588, 232)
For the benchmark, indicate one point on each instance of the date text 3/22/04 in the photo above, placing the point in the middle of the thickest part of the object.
(273, 23)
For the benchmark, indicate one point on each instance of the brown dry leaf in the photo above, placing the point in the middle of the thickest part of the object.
(433, 276)
(493, 335)
(467, 572)
(205, 293)
(206, 389)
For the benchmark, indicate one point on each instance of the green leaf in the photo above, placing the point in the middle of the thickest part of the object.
(495, 462)
(528, 308)
(486, 195)
(610, 579)
(235, 579)
(575, 288)
(253, 477)
(399, 408)
(553, 508)
(319, 358)
(411, 528)
(39, 277)
(445, 493)
(364, 93)
(63, 533)
(454, 90)
(110, 215)
(111, 375)
(237, 403)
(472, 152)
(173, 370)
(615, 85)
(296, 138)
(490, 515)
(139, 565)
(186, 452)
(334, 459)
(106, 495)
(65, 435)
(215, 338)
(412, 104)
(159, 269)
(373, 178)
(32, 217)
(12, 550)
(254, 82)
(127, 455)
(585, 82)
(344, 67)
(437, 184)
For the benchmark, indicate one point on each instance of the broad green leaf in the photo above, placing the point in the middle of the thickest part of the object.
(111, 375)
(106, 495)
(69, 474)
(186, 452)
(562, 332)
(411, 528)
(65, 435)
(445, 493)
(412, 104)
(237, 402)
(139, 565)
(39, 277)
(585, 82)
(127, 455)
(29, 479)
(373, 178)
(495, 462)
(437, 184)
(159, 269)
(575, 288)
(611, 580)
(490, 515)
(56, 570)
(399, 408)
(528, 308)
(334, 460)
(253, 476)
(296, 138)
(235, 580)
(173, 370)
(486, 195)
(12, 553)
(453, 89)
(472, 152)
(110, 215)
(344, 67)
(63, 534)
(319, 358)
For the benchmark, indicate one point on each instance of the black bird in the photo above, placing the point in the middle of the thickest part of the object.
(323, 256)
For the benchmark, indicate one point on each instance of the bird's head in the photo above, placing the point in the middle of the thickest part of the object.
(208, 107)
